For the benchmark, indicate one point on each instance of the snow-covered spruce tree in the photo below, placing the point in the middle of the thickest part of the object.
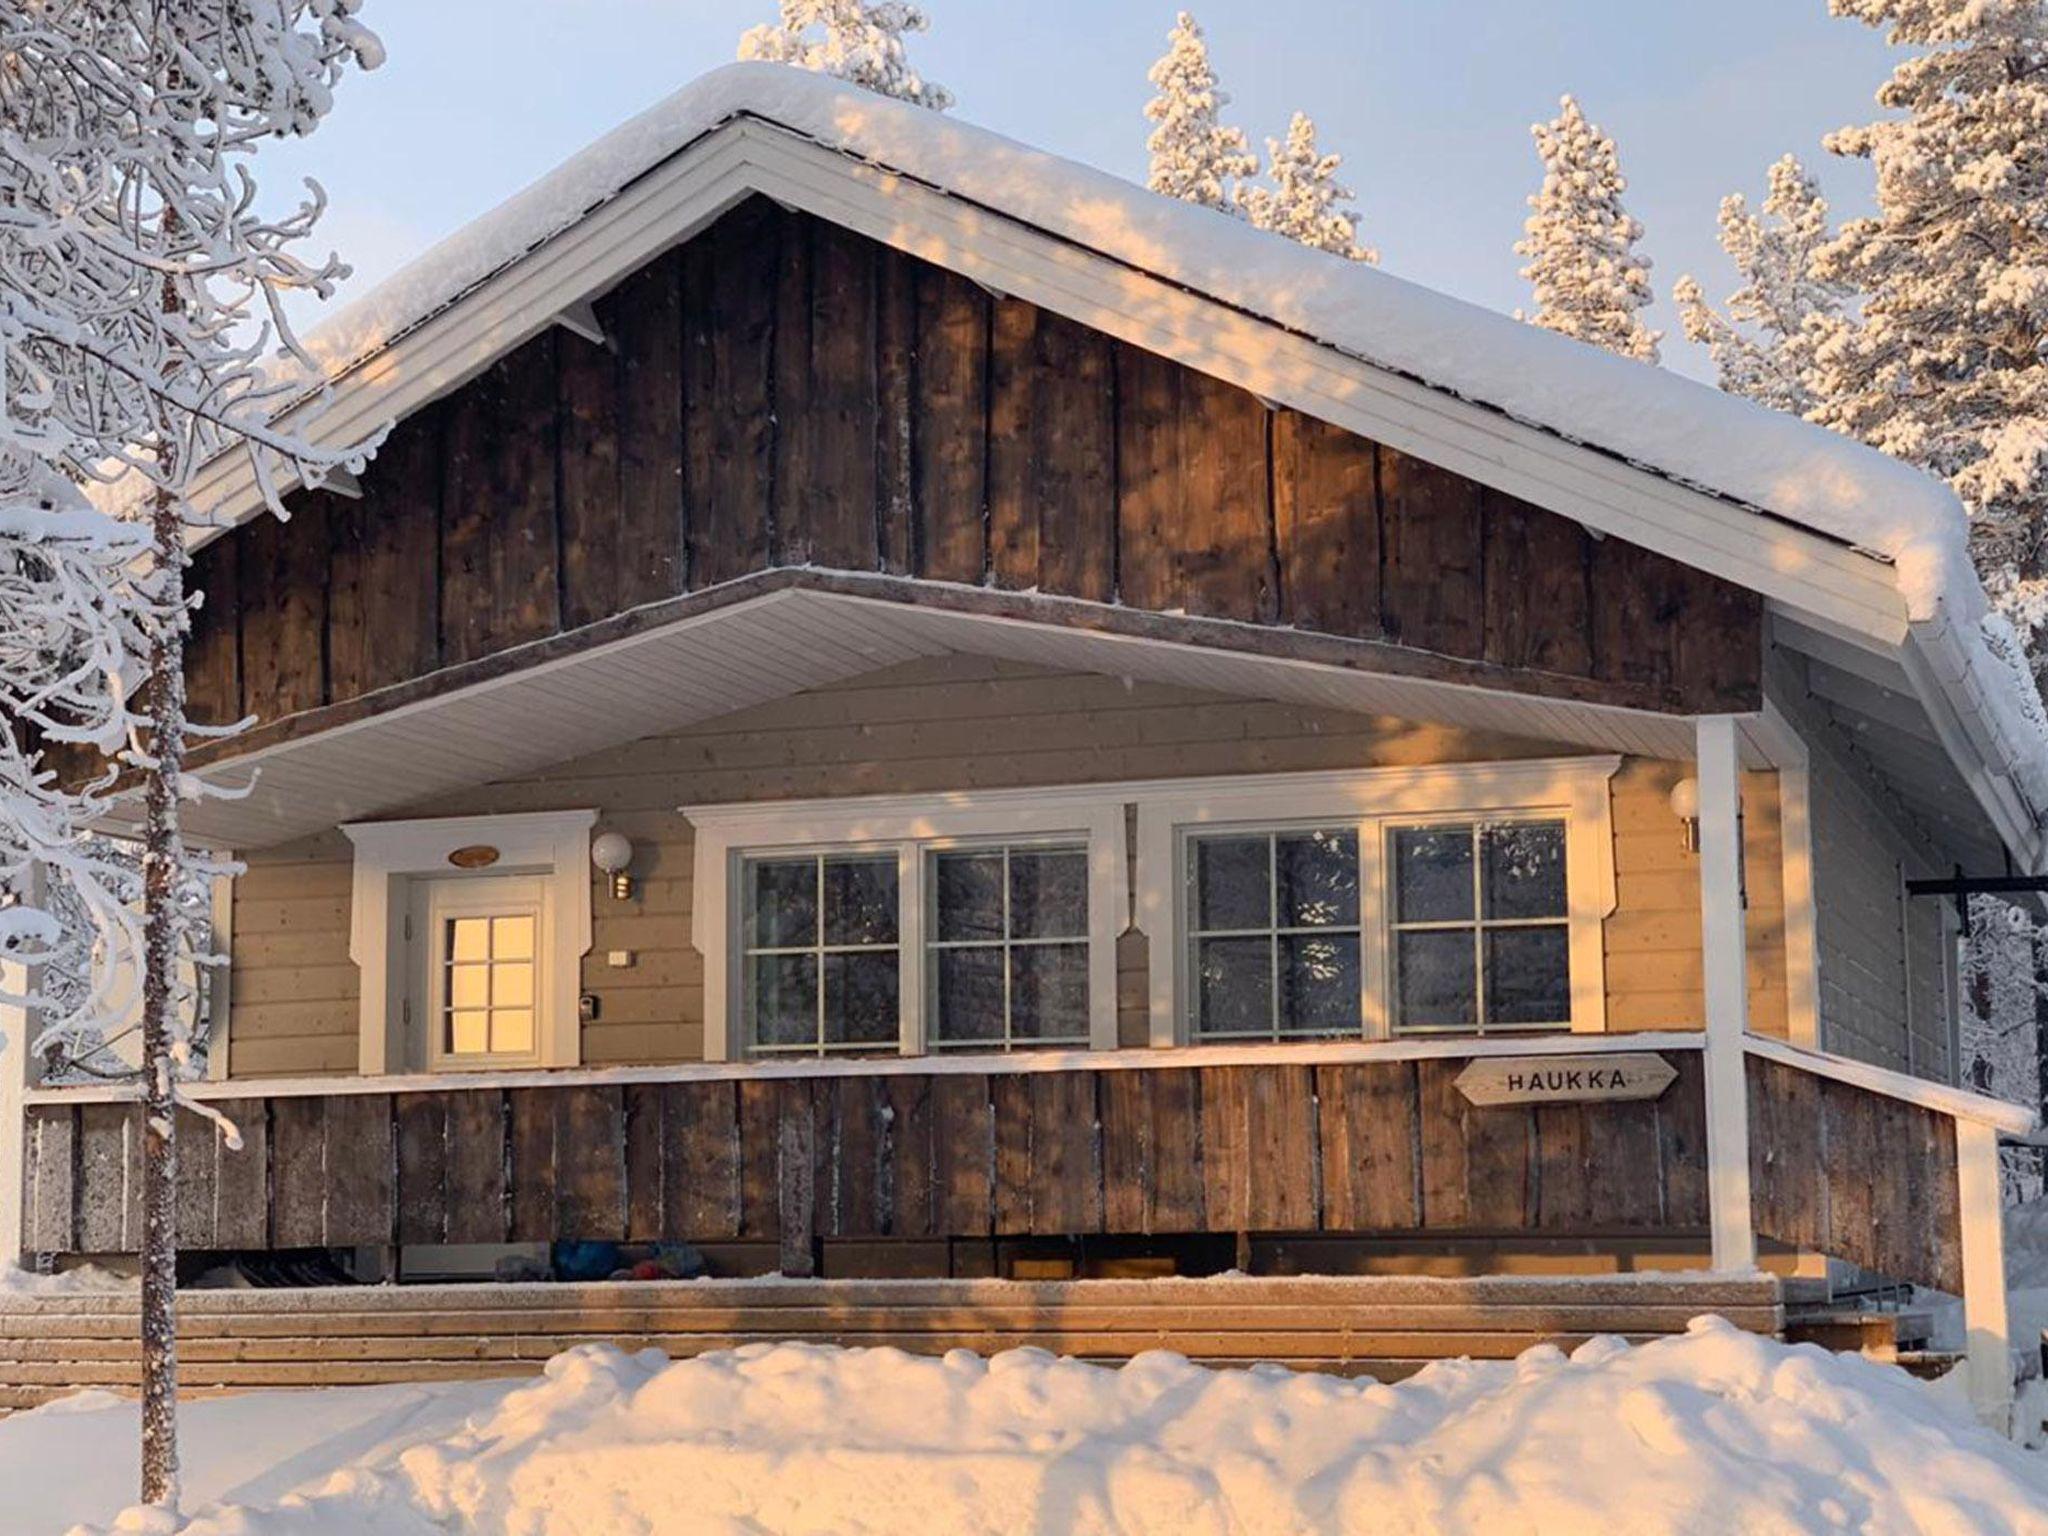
(856, 40)
(1301, 202)
(142, 295)
(1194, 156)
(1590, 282)
(1766, 344)
(1948, 367)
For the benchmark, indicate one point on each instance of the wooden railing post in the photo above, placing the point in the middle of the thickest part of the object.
(1725, 959)
(16, 1077)
(1987, 1359)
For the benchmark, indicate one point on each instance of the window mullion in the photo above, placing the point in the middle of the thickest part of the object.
(818, 954)
(912, 966)
(1478, 927)
(1273, 932)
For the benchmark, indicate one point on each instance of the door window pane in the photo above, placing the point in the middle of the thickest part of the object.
(1008, 960)
(820, 957)
(489, 988)
(1275, 948)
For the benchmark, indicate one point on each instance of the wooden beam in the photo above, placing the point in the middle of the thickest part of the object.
(1726, 975)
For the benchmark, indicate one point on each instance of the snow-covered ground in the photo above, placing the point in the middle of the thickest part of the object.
(1713, 1432)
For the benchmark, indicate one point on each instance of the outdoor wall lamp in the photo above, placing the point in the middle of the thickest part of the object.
(1685, 805)
(611, 852)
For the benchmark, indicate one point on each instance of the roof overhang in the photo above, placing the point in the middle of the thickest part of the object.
(1818, 586)
(789, 631)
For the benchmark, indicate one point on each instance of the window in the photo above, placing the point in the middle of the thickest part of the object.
(484, 970)
(1480, 925)
(1009, 946)
(982, 921)
(1449, 899)
(821, 953)
(1273, 925)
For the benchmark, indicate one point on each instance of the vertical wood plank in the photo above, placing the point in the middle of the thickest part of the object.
(590, 1162)
(422, 1167)
(701, 1170)
(241, 1194)
(895, 411)
(951, 429)
(281, 585)
(51, 1180)
(499, 525)
(1327, 527)
(1177, 1187)
(1281, 1149)
(1856, 1156)
(854, 1204)
(1010, 1101)
(910, 1207)
(1622, 1150)
(1127, 1151)
(796, 1162)
(1682, 1142)
(298, 1172)
(728, 395)
(213, 650)
(1052, 454)
(589, 378)
(1440, 1126)
(362, 1204)
(533, 1164)
(1538, 606)
(479, 1197)
(760, 1160)
(827, 488)
(963, 1154)
(646, 1137)
(198, 1179)
(648, 549)
(383, 603)
(1565, 1174)
(1066, 1176)
(1226, 1150)
(1637, 602)
(1368, 1147)
(1432, 556)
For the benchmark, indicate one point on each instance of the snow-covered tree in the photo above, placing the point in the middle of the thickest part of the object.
(1948, 367)
(1302, 200)
(1194, 156)
(1767, 343)
(856, 40)
(1590, 282)
(140, 296)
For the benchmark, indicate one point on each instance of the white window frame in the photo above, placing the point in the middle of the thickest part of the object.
(391, 855)
(438, 900)
(1574, 790)
(914, 826)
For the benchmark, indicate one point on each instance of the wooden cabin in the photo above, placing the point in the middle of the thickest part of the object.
(894, 708)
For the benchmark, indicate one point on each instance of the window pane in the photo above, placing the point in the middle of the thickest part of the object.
(469, 986)
(1318, 878)
(1433, 874)
(970, 994)
(512, 1029)
(469, 938)
(1049, 992)
(469, 1033)
(1528, 976)
(1234, 985)
(1436, 978)
(782, 903)
(1524, 869)
(1233, 883)
(860, 900)
(783, 994)
(860, 997)
(512, 986)
(970, 894)
(1319, 983)
(512, 938)
(1048, 893)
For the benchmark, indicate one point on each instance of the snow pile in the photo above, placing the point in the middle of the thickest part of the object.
(85, 1280)
(1716, 1430)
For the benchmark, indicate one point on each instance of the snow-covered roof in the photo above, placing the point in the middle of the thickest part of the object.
(1650, 417)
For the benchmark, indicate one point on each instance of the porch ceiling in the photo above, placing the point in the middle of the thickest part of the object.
(311, 773)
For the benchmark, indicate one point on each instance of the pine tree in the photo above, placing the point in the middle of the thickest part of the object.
(1777, 323)
(855, 40)
(1590, 281)
(140, 288)
(1948, 365)
(1194, 156)
(1302, 201)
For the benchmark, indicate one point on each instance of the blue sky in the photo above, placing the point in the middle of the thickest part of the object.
(1428, 102)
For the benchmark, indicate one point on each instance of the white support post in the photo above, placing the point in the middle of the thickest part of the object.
(1987, 1348)
(1724, 953)
(16, 1078)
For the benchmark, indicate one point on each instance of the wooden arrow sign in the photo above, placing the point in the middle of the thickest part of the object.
(1565, 1079)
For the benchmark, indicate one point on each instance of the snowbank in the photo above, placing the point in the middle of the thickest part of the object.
(1715, 1431)
(17, 1283)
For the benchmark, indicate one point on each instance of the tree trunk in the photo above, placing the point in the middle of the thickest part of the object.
(163, 870)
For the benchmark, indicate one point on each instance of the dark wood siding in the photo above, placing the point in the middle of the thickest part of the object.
(780, 392)
(1381, 1147)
